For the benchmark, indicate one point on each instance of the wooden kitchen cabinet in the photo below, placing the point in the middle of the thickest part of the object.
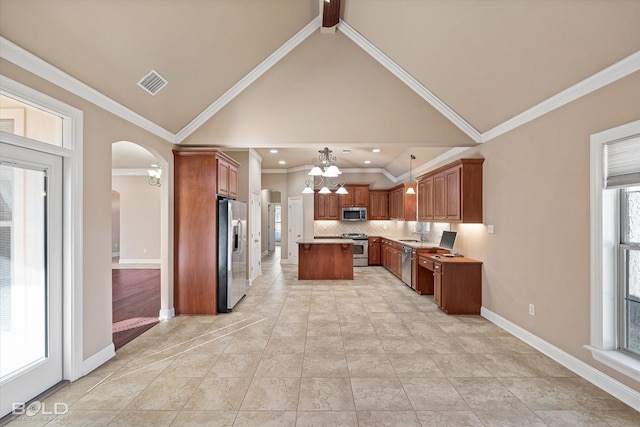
(357, 195)
(325, 206)
(402, 206)
(452, 193)
(392, 257)
(227, 177)
(378, 204)
(374, 251)
(425, 199)
(197, 173)
(456, 283)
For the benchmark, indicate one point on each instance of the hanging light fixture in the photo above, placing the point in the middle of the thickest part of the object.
(324, 166)
(411, 190)
(154, 175)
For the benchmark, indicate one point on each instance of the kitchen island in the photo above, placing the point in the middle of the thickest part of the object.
(325, 259)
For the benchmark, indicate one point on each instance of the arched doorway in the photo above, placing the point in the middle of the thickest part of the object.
(138, 244)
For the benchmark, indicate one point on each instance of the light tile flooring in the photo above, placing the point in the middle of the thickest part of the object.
(367, 352)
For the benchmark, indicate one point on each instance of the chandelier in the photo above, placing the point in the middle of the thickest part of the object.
(324, 166)
(154, 175)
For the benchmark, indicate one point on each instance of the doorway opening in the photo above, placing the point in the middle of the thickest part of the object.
(136, 242)
(271, 225)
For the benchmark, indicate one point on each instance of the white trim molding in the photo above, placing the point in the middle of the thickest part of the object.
(588, 372)
(24, 59)
(129, 172)
(247, 80)
(410, 81)
(166, 313)
(620, 69)
(98, 359)
(604, 226)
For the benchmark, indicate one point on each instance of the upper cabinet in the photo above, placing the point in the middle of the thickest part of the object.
(325, 206)
(227, 177)
(358, 195)
(452, 193)
(378, 204)
(402, 206)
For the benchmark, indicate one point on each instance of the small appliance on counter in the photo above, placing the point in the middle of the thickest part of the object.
(360, 248)
(232, 253)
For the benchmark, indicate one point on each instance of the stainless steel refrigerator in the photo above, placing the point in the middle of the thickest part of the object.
(232, 253)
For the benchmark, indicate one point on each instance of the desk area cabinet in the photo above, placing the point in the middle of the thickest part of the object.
(455, 282)
(452, 193)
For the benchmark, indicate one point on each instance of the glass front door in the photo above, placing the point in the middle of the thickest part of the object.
(30, 274)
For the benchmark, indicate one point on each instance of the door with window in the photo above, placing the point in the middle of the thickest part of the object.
(30, 274)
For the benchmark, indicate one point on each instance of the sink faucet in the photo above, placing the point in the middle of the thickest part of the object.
(423, 237)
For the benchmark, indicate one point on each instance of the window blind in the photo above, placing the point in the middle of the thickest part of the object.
(622, 162)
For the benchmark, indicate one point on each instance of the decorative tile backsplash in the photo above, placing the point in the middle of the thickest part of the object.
(431, 230)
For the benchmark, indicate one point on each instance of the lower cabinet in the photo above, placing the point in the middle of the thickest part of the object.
(375, 257)
(391, 254)
(456, 283)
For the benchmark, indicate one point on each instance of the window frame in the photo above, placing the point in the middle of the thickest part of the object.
(624, 246)
(605, 256)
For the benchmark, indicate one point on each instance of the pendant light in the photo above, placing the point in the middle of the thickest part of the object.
(411, 190)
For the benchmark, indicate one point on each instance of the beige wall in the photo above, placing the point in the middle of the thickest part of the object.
(139, 218)
(115, 223)
(101, 129)
(536, 194)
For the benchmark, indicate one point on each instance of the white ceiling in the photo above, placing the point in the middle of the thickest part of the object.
(466, 68)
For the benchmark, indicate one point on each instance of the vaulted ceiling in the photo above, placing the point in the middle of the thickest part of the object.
(405, 76)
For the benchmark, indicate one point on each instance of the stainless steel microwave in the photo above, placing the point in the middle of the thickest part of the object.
(354, 214)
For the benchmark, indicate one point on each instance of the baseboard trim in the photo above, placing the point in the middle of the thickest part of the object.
(98, 359)
(167, 313)
(588, 372)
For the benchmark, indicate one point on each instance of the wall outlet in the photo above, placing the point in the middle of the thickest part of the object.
(532, 309)
(490, 229)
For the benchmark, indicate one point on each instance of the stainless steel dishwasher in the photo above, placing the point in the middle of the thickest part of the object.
(406, 265)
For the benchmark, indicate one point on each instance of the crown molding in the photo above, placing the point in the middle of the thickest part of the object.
(24, 59)
(247, 80)
(410, 81)
(620, 69)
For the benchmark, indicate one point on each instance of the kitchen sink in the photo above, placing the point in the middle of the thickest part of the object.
(409, 240)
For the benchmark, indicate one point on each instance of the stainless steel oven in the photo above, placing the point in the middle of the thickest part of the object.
(360, 248)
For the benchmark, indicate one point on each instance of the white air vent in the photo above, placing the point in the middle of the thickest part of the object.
(346, 151)
(152, 82)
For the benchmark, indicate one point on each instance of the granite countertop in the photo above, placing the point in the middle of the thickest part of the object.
(325, 241)
(414, 244)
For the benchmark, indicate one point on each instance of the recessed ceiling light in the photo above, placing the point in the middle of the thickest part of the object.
(367, 161)
(376, 150)
(273, 151)
(282, 162)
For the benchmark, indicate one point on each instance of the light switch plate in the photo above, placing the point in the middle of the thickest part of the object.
(490, 229)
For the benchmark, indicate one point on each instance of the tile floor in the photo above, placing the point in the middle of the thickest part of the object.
(367, 352)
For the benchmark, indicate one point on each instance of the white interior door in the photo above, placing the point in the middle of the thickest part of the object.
(255, 238)
(295, 228)
(30, 274)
